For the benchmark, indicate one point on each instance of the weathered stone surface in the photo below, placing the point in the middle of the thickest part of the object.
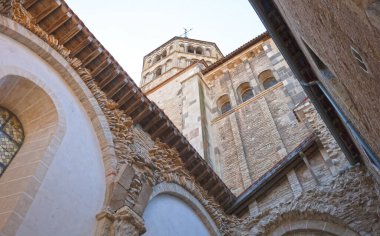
(331, 30)
(349, 200)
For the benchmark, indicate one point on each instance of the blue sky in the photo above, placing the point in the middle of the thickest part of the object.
(130, 29)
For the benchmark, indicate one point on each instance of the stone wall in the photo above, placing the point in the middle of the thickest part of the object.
(348, 205)
(48, 181)
(322, 194)
(332, 31)
(257, 133)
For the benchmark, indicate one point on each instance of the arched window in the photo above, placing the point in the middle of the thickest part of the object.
(199, 50)
(11, 137)
(267, 79)
(225, 107)
(269, 82)
(245, 91)
(190, 49)
(208, 52)
(163, 54)
(156, 58)
(158, 71)
(223, 104)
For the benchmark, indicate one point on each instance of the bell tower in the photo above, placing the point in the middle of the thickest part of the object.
(171, 77)
(173, 56)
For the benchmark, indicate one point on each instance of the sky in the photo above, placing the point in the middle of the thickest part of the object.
(130, 29)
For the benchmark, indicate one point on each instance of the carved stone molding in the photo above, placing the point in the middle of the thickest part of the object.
(350, 200)
(123, 222)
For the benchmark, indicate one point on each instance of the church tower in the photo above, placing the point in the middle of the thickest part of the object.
(238, 111)
(174, 56)
(171, 77)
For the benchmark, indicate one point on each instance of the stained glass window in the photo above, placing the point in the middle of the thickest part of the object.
(11, 137)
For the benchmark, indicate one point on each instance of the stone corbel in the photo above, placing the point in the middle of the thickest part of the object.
(123, 222)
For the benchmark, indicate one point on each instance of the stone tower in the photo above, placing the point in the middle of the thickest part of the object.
(171, 75)
(173, 56)
(237, 110)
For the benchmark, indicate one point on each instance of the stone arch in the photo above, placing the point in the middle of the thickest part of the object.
(164, 54)
(245, 91)
(190, 49)
(156, 58)
(310, 223)
(79, 90)
(267, 79)
(158, 71)
(223, 103)
(182, 194)
(199, 50)
(44, 127)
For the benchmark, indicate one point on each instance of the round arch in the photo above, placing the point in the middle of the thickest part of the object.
(24, 74)
(183, 195)
(312, 227)
(267, 79)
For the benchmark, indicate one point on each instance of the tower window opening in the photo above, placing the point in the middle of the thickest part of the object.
(269, 82)
(267, 79)
(157, 58)
(245, 92)
(199, 51)
(225, 107)
(223, 104)
(190, 49)
(163, 55)
(158, 71)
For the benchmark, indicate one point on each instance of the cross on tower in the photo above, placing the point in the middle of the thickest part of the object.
(186, 31)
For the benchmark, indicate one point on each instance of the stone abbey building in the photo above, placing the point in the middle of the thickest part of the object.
(209, 145)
